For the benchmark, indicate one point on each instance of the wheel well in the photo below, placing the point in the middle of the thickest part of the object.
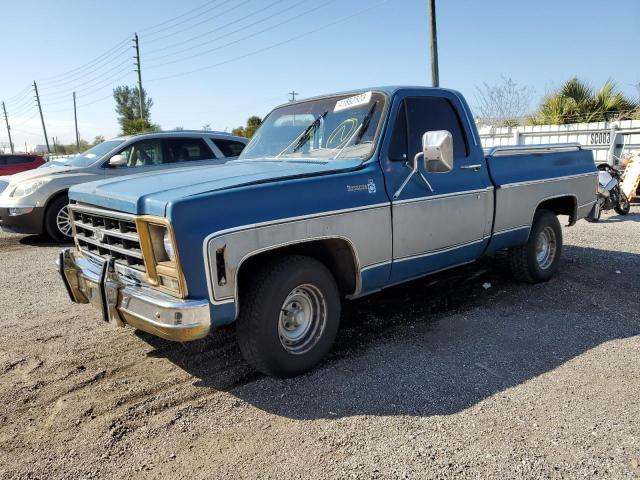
(52, 199)
(565, 205)
(335, 253)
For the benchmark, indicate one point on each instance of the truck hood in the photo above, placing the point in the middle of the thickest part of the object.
(151, 193)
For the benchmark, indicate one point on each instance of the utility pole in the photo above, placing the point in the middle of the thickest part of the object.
(137, 57)
(75, 118)
(435, 77)
(293, 95)
(44, 129)
(6, 119)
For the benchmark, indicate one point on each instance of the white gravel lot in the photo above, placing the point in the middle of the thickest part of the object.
(427, 380)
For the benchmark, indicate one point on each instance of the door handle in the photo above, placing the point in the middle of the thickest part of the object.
(475, 167)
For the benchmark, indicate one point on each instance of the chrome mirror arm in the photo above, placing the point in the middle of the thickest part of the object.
(414, 171)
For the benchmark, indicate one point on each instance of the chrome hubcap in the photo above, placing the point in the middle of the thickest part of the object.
(303, 317)
(62, 221)
(546, 247)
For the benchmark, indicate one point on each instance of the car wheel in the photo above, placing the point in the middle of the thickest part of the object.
(289, 316)
(57, 220)
(538, 259)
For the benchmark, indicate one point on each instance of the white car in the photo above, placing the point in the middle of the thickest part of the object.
(35, 201)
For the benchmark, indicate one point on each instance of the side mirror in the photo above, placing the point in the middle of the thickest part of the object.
(117, 161)
(437, 147)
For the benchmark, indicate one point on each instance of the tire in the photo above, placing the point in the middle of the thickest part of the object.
(537, 260)
(283, 298)
(623, 206)
(54, 217)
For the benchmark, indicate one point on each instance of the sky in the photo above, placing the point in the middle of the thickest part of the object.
(218, 62)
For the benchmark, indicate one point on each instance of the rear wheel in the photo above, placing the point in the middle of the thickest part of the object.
(623, 206)
(57, 220)
(537, 260)
(289, 316)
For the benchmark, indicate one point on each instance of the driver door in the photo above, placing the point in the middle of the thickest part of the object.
(447, 222)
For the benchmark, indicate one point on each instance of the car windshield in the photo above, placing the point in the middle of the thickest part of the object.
(325, 129)
(92, 155)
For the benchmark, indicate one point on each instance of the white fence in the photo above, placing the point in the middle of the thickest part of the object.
(610, 141)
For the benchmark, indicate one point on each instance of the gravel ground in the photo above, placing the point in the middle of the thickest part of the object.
(439, 378)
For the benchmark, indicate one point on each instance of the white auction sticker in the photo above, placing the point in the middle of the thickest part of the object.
(355, 101)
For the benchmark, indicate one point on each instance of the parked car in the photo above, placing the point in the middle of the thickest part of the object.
(11, 164)
(337, 196)
(36, 201)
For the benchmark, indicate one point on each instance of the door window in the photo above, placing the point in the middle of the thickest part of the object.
(143, 154)
(423, 114)
(189, 149)
(229, 148)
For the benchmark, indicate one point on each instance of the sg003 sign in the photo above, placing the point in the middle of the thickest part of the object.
(600, 138)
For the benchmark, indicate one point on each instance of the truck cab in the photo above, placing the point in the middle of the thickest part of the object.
(334, 198)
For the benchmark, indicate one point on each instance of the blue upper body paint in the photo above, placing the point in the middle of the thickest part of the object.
(202, 200)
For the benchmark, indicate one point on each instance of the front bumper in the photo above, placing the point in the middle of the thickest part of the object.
(124, 302)
(28, 223)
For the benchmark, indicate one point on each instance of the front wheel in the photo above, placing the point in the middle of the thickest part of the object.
(289, 316)
(57, 221)
(623, 206)
(538, 259)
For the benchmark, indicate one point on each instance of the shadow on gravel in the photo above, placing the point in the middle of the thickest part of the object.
(434, 346)
(630, 217)
(41, 241)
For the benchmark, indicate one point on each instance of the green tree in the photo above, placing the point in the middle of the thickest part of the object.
(577, 102)
(253, 123)
(128, 110)
(135, 126)
(207, 127)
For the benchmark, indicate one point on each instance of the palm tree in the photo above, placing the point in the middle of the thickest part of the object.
(576, 102)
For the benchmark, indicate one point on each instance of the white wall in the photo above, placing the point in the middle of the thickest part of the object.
(608, 140)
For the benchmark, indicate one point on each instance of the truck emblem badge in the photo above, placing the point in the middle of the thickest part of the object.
(365, 187)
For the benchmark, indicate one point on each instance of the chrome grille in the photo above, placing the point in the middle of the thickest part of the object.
(108, 234)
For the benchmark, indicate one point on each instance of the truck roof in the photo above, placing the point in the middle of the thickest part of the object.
(388, 89)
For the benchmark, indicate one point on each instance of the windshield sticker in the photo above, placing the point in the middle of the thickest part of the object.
(365, 187)
(355, 101)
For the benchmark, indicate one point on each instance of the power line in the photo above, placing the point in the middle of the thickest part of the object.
(246, 37)
(227, 24)
(20, 94)
(81, 75)
(274, 45)
(86, 65)
(126, 65)
(154, 27)
(197, 37)
(165, 29)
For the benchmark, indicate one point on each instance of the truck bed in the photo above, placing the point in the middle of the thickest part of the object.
(526, 175)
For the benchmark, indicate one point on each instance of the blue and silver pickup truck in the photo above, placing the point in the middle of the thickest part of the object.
(335, 197)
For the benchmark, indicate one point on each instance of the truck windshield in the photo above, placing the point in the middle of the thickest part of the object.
(324, 129)
(92, 155)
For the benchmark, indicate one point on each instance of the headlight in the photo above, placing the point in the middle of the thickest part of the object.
(160, 255)
(27, 188)
(168, 246)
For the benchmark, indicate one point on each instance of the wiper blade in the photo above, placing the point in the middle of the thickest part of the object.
(360, 131)
(365, 123)
(304, 136)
